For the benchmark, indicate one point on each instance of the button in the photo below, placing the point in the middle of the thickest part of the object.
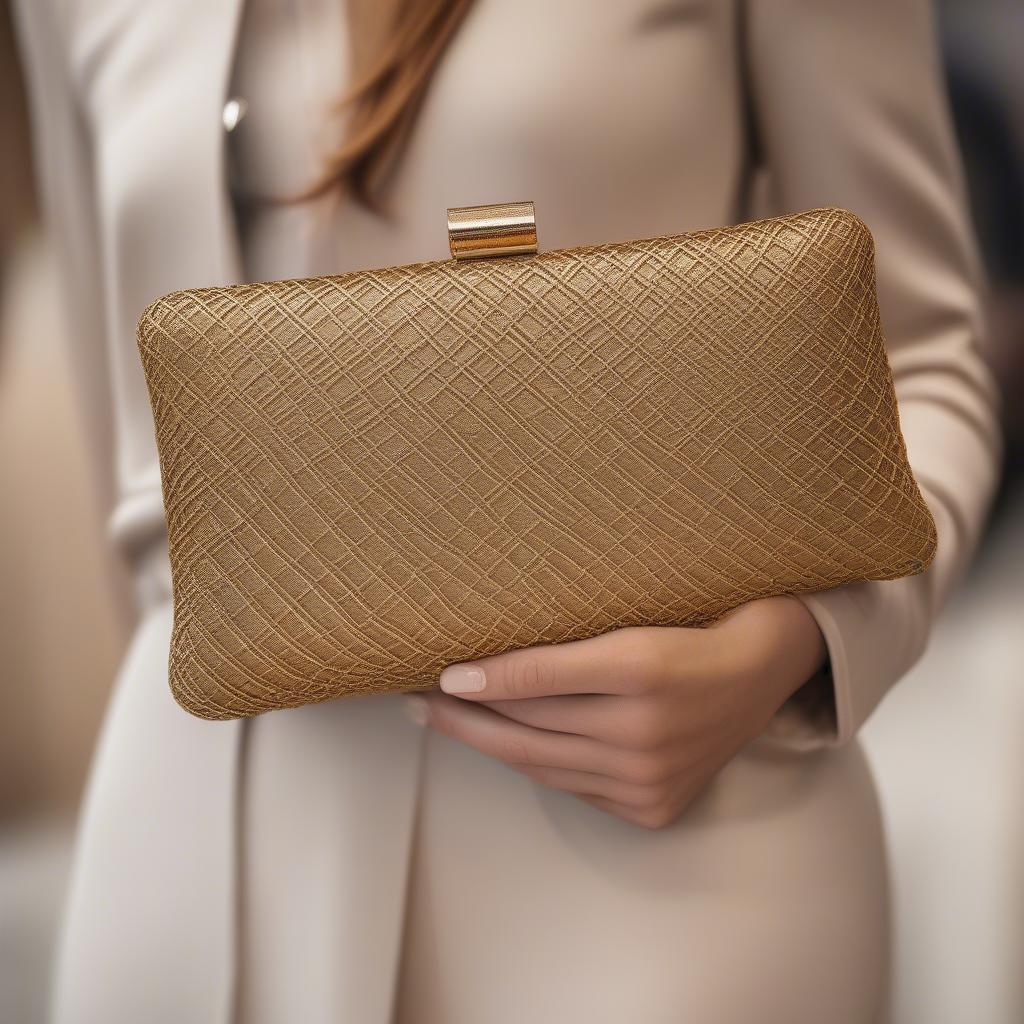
(234, 111)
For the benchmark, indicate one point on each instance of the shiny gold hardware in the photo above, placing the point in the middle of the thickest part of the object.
(504, 229)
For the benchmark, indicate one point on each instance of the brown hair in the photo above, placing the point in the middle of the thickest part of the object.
(396, 46)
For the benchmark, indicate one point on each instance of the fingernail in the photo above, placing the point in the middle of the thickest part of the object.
(462, 679)
(416, 709)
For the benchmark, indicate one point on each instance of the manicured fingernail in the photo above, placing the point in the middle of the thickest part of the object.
(416, 708)
(462, 679)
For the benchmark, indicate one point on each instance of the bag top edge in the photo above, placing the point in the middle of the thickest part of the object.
(837, 213)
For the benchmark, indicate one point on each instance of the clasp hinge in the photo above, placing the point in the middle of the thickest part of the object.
(503, 229)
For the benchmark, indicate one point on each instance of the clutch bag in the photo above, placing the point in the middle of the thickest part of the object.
(371, 476)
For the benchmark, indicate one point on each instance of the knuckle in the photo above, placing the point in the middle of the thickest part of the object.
(439, 718)
(542, 775)
(526, 675)
(646, 770)
(645, 727)
(514, 750)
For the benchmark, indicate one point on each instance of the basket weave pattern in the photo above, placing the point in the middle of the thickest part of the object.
(371, 476)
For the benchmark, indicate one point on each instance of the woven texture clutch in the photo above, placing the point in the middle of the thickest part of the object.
(371, 476)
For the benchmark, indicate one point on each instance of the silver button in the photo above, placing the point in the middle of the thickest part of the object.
(234, 111)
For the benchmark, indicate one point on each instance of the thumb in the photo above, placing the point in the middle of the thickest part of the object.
(619, 662)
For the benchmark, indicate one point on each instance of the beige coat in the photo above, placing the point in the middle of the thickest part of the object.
(620, 120)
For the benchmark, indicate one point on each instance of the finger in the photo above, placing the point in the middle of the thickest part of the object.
(514, 743)
(582, 714)
(624, 661)
(656, 817)
(631, 723)
(679, 792)
(591, 784)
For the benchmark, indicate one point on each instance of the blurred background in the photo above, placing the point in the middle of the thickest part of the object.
(954, 810)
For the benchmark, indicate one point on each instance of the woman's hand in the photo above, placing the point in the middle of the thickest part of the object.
(637, 721)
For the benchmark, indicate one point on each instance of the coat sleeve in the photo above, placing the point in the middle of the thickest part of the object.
(850, 110)
(65, 181)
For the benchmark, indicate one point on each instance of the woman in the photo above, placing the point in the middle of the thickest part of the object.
(339, 862)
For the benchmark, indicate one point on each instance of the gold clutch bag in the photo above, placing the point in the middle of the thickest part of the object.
(369, 477)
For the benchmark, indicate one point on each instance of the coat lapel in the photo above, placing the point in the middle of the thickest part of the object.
(154, 78)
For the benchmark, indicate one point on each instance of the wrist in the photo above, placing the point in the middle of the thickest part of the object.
(779, 647)
(801, 652)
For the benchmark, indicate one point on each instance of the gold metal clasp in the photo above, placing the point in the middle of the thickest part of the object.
(504, 229)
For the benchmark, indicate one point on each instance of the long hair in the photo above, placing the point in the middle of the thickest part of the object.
(395, 48)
